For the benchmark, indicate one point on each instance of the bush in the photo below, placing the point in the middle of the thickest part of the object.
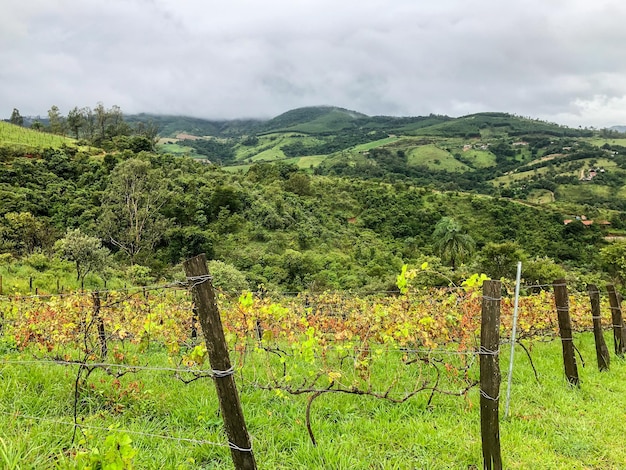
(139, 275)
(227, 277)
(38, 261)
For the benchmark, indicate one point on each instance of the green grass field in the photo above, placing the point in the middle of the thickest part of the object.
(435, 158)
(374, 144)
(175, 149)
(583, 193)
(541, 196)
(479, 158)
(551, 426)
(269, 147)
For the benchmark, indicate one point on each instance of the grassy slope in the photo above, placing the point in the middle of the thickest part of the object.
(321, 119)
(436, 158)
(16, 136)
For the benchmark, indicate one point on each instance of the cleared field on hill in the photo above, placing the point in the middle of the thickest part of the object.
(175, 149)
(375, 144)
(541, 196)
(435, 158)
(583, 193)
(512, 177)
(479, 158)
(269, 147)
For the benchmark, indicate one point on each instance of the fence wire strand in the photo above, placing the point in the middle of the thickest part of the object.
(16, 415)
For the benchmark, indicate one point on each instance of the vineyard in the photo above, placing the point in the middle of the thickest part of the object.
(121, 376)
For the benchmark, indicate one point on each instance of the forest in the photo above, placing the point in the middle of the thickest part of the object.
(108, 204)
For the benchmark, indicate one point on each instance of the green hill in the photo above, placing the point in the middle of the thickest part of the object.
(314, 120)
(492, 152)
(498, 124)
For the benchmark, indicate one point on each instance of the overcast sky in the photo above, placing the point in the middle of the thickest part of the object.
(558, 60)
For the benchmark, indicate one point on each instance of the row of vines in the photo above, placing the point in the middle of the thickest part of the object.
(321, 331)
(390, 347)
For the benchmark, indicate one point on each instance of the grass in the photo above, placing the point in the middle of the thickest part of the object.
(512, 177)
(175, 149)
(374, 144)
(552, 426)
(540, 196)
(583, 193)
(16, 136)
(308, 162)
(479, 158)
(435, 158)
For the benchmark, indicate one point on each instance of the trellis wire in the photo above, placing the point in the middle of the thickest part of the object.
(513, 331)
(120, 430)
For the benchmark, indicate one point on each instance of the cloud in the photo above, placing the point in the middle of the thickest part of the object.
(554, 59)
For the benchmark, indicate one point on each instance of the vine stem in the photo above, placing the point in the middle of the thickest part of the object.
(308, 415)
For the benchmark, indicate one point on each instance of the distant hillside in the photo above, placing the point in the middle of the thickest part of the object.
(314, 120)
(488, 124)
(327, 120)
(170, 126)
(618, 128)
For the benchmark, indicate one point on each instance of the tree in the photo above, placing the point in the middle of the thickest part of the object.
(227, 277)
(500, 259)
(75, 121)
(87, 253)
(16, 118)
(131, 219)
(22, 232)
(101, 118)
(614, 260)
(451, 243)
(56, 121)
(149, 130)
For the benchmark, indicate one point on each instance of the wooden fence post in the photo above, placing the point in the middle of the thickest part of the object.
(602, 351)
(490, 375)
(102, 337)
(565, 330)
(204, 297)
(618, 323)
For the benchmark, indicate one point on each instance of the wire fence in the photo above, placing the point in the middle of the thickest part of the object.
(70, 330)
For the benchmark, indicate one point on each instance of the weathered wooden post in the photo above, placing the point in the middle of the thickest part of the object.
(490, 375)
(565, 330)
(619, 334)
(102, 337)
(204, 297)
(602, 351)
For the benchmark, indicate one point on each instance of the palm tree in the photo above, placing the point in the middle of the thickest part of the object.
(452, 244)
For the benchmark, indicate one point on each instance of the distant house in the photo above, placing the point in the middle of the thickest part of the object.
(586, 222)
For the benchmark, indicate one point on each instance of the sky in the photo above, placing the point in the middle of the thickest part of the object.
(558, 60)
